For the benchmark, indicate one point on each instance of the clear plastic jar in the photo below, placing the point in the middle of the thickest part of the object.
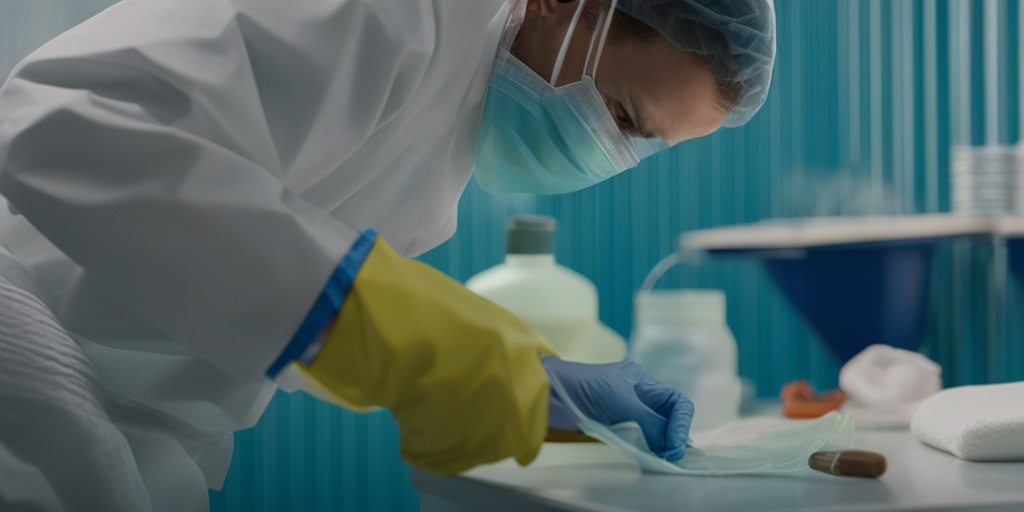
(681, 338)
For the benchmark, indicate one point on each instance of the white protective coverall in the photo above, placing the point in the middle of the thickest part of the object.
(183, 176)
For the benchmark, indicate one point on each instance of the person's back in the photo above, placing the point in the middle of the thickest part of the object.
(184, 103)
(198, 187)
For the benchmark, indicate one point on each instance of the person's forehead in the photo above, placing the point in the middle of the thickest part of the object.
(674, 91)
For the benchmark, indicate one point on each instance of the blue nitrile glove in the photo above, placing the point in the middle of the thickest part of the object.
(616, 392)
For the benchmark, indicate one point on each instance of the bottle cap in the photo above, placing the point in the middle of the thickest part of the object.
(530, 234)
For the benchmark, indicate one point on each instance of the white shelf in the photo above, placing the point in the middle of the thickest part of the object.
(837, 231)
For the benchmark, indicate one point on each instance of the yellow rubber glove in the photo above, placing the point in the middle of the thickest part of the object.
(462, 376)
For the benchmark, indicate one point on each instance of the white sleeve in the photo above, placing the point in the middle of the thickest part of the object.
(140, 144)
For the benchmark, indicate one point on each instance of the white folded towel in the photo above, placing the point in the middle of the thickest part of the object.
(979, 423)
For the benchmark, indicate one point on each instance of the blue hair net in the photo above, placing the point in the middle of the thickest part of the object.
(736, 36)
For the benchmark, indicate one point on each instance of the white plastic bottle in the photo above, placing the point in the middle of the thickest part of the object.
(560, 303)
(682, 339)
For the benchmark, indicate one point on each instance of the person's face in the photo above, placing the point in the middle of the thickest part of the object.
(651, 88)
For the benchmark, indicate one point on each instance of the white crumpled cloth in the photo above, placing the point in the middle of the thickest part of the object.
(885, 385)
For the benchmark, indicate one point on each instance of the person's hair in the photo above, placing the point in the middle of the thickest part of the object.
(627, 28)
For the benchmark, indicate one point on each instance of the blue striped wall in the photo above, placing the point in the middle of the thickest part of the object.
(868, 97)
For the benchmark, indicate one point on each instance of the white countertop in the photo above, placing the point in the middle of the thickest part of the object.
(577, 477)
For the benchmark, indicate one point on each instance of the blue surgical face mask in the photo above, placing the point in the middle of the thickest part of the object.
(538, 138)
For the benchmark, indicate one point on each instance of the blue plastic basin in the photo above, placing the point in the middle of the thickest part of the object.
(1015, 256)
(858, 295)
(857, 281)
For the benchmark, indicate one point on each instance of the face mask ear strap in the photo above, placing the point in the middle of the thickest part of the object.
(565, 43)
(604, 36)
(590, 49)
(604, 23)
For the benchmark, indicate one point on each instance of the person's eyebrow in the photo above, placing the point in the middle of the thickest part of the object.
(640, 120)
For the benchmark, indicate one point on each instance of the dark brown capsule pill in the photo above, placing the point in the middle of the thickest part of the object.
(849, 463)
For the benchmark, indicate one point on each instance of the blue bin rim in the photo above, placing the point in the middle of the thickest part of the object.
(798, 235)
(800, 252)
(1011, 227)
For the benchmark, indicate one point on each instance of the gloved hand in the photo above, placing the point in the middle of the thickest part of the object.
(462, 376)
(616, 392)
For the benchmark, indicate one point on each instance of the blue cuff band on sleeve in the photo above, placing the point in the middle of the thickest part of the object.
(328, 303)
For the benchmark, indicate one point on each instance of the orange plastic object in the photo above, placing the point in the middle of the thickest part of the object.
(800, 401)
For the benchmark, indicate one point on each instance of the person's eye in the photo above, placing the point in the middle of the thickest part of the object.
(624, 121)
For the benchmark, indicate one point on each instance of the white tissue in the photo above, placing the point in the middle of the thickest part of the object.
(979, 423)
(886, 384)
